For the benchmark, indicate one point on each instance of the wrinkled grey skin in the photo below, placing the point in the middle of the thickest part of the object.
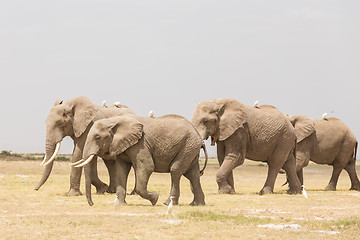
(164, 144)
(326, 141)
(257, 133)
(74, 119)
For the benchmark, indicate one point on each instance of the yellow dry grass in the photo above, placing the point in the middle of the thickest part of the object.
(49, 214)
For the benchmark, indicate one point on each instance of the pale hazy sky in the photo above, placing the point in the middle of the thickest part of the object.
(301, 56)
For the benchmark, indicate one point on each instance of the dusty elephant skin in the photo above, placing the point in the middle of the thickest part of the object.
(326, 141)
(74, 118)
(257, 133)
(167, 144)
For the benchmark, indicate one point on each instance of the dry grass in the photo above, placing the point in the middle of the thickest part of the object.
(49, 214)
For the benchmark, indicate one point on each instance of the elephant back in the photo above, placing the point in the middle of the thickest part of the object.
(267, 123)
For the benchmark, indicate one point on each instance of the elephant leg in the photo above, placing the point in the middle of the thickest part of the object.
(275, 162)
(122, 172)
(231, 161)
(221, 157)
(133, 192)
(176, 173)
(334, 178)
(193, 175)
(110, 165)
(143, 173)
(301, 176)
(351, 170)
(302, 160)
(99, 185)
(290, 169)
(75, 174)
(270, 180)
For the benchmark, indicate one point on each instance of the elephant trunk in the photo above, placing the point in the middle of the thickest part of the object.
(50, 149)
(87, 170)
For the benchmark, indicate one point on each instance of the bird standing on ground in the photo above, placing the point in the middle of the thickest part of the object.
(304, 191)
(170, 206)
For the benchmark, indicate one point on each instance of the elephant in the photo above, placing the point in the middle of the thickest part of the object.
(260, 133)
(166, 144)
(74, 118)
(326, 141)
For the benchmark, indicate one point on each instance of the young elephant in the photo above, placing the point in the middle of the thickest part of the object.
(164, 144)
(257, 133)
(326, 141)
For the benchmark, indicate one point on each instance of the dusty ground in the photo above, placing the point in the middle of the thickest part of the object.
(49, 214)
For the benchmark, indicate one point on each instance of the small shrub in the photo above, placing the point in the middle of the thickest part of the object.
(5, 153)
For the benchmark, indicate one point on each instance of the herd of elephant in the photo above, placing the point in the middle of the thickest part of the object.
(172, 144)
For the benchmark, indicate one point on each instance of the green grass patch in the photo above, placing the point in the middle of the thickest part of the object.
(346, 223)
(201, 216)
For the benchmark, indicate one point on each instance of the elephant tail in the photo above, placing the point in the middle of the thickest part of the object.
(355, 151)
(206, 159)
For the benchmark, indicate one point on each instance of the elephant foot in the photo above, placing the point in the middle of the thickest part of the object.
(266, 190)
(111, 189)
(227, 189)
(153, 197)
(356, 187)
(197, 203)
(73, 192)
(102, 189)
(117, 202)
(294, 191)
(133, 192)
(330, 187)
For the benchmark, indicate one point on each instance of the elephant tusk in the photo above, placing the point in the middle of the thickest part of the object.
(54, 155)
(78, 162)
(86, 162)
(43, 161)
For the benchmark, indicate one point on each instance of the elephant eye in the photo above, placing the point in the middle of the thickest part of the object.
(97, 137)
(205, 120)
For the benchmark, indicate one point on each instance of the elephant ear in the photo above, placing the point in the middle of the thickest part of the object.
(304, 127)
(84, 112)
(126, 132)
(232, 117)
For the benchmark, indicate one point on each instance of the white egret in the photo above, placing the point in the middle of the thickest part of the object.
(104, 103)
(324, 116)
(170, 206)
(117, 104)
(256, 103)
(304, 191)
(151, 114)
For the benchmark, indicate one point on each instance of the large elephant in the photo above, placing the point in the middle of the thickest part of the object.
(74, 118)
(164, 144)
(326, 141)
(257, 133)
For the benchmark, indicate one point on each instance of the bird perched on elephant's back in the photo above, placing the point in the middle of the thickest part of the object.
(259, 133)
(326, 141)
